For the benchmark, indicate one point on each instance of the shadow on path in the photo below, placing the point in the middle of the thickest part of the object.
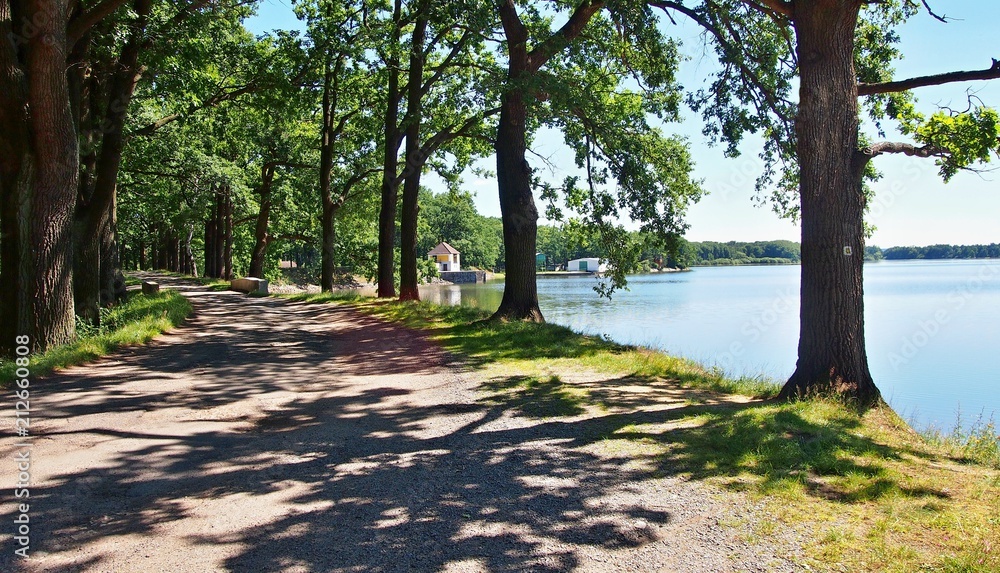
(264, 435)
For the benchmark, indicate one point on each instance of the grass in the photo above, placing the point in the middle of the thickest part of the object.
(862, 489)
(135, 321)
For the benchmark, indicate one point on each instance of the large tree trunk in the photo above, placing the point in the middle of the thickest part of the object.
(46, 258)
(263, 220)
(192, 265)
(227, 238)
(520, 217)
(112, 278)
(390, 166)
(209, 247)
(408, 278)
(325, 176)
(832, 356)
(96, 240)
(329, 247)
(220, 234)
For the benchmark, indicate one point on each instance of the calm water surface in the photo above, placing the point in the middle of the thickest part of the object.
(932, 327)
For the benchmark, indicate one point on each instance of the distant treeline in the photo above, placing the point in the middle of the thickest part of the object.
(737, 253)
(991, 251)
(789, 252)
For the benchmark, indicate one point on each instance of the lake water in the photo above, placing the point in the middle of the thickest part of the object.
(932, 327)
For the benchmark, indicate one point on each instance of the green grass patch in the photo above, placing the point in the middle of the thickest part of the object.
(978, 442)
(135, 321)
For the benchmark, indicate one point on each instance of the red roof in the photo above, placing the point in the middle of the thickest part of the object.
(443, 249)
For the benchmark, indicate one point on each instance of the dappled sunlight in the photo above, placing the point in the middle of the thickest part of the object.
(270, 435)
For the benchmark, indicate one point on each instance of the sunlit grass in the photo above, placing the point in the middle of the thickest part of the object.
(136, 321)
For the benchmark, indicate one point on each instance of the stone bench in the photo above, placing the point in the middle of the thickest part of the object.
(249, 285)
(150, 288)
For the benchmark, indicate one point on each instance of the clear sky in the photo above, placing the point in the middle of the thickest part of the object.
(913, 206)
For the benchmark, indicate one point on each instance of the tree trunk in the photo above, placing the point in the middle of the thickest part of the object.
(329, 249)
(39, 145)
(408, 278)
(832, 356)
(86, 275)
(10, 256)
(220, 234)
(112, 278)
(210, 247)
(325, 177)
(95, 215)
(227, 252)
(259, 254)
(390, 166)
(519, 215)
(189, 254)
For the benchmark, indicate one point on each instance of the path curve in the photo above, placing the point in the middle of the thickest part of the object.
(266, 435)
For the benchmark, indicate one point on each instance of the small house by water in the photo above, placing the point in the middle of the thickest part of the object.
(446, 257)
(587, 265)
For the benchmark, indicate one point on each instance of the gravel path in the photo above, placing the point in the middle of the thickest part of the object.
(265, 435)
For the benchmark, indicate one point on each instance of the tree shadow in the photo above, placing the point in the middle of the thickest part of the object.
(706, 436)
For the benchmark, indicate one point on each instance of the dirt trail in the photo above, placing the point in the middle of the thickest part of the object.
(265, 435)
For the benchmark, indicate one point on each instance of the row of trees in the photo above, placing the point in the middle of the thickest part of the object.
(737, 253)
(124, 121)
(991, 251)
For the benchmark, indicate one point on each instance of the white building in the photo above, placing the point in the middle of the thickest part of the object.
(592, 265)
(446, 257)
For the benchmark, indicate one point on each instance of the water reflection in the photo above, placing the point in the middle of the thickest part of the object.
(480, 295)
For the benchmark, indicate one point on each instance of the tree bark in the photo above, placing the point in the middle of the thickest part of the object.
(220, 234)
(96, 232)
(227, 252)
(408, 278)
(259, 254)
(329, 247)
(189, 254)
(112, 278)
(832, 356)
(326, 174)
(210, 247)
(39, 162)
(390, 165)
(519, 214)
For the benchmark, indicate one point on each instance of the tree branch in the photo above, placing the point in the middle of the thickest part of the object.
(781, 7)
(573, 27)
(512, 26)
(881, 147)
(86, 20)
(446, 64)
(993, 72)
(941, 17)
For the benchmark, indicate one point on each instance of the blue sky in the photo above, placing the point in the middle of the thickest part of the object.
(913, 206)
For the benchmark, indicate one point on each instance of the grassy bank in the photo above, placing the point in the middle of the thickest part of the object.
(863, 491)
(135, 321)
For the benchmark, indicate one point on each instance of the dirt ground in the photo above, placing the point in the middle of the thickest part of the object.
(265, 435)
